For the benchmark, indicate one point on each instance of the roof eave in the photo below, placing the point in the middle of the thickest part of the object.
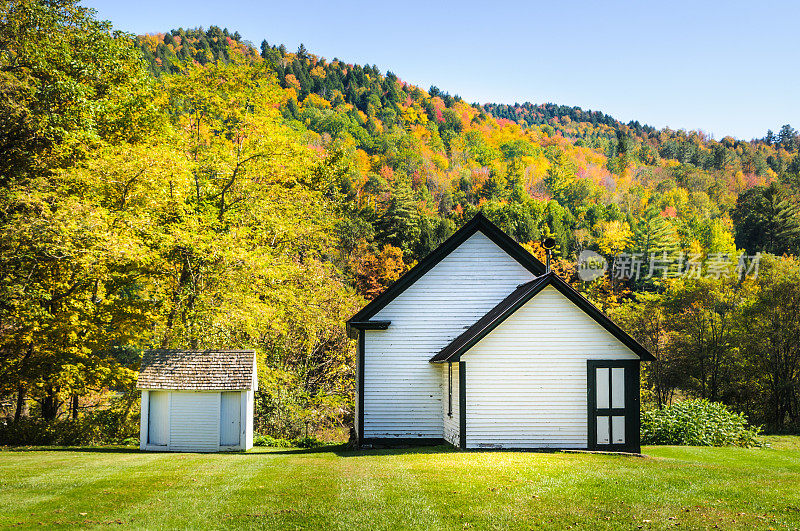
(565, 289)
(199, 390)
(602, 319)
(353, 327)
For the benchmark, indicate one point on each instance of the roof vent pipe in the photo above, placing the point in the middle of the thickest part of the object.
(549, 244)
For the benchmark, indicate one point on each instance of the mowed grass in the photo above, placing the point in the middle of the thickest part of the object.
(419, 488)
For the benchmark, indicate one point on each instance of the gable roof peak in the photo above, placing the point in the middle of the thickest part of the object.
(478, 223)
(515, 300)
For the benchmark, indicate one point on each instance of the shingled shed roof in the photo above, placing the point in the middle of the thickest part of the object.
(197, 370)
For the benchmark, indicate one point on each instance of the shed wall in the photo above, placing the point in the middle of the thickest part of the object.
(526, 380)
(192, 420)
(402, 391)
(249, 408)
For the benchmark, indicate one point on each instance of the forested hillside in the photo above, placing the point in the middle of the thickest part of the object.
(191, 191)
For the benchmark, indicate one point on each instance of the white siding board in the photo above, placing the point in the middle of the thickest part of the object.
(526, 380)
(402, 391)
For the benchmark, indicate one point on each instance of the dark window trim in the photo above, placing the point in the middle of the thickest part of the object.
(449, 389)
(631, 411)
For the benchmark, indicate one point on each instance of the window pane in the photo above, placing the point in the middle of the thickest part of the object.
(618, 387)
(602, 430)
(601, 387)
(618, 430)
(450, 389)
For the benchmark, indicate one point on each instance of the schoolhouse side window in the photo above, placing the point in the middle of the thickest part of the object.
(449, 389)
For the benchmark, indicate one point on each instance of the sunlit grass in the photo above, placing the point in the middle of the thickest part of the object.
(406, 488)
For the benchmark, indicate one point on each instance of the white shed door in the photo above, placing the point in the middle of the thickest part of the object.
(194, 421)
(229, 419)
(157, 418)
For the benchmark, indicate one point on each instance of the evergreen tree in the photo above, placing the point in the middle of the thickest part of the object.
(787, 138)
(767, 219)
(302, 52)
(399, 224)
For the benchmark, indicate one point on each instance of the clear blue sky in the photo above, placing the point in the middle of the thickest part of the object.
(728, 68)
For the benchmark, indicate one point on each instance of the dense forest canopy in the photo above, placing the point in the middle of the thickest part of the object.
(188, 190)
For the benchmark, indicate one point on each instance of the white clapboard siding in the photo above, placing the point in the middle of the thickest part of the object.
(402, 391)
(194, 421)
(451, 422)
(526, 380)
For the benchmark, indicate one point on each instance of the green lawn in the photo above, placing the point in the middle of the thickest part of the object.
(435, 488)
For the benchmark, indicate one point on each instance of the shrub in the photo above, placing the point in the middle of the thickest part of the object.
(698, 423)
(266, 440)
(300, 442)
(97, 427)
(308, 442)
(116, 424)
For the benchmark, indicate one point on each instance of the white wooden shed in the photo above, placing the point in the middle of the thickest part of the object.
(197, 400)
(479, 345)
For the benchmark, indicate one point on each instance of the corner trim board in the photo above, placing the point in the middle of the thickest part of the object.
(462, 405)
(360, 375)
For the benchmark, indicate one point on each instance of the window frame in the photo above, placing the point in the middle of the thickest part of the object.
(450, 389)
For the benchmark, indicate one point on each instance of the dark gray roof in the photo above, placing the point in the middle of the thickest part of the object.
(197, 370)
(516, 300)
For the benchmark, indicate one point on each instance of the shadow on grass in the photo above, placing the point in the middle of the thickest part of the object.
(340, 450)
(91, 449)
(343, 450)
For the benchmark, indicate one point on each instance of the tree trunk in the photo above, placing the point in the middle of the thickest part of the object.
(74, 407)
(21, 409)
(50, 404)
(176, 297)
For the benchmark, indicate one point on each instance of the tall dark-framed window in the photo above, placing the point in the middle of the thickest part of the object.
(449, 389)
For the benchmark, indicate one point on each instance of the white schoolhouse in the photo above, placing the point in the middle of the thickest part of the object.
(481, 346)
